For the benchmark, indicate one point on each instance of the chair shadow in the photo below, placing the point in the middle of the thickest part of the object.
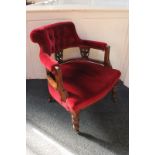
(113, 119)
(113, 147)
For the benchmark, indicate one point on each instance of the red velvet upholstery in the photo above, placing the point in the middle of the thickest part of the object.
(86, 82)
(94, 44)
(47, 61)
(55, 37)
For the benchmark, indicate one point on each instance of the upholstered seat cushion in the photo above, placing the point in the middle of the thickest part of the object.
(86, 82)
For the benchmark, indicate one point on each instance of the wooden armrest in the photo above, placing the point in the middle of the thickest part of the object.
(52, 82)
(106, 56)
(60, 88)
(55, 81)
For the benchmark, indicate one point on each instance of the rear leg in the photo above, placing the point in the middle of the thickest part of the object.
(114, 94)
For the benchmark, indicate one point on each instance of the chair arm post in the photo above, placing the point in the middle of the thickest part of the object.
(59, 81)
(106, 56)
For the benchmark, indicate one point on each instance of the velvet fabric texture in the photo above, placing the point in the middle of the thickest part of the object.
(56, 37)
(86, 82)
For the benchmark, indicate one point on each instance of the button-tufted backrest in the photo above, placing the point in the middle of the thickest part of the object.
(55, 37)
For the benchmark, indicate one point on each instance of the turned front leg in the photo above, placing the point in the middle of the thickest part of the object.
(75, 121)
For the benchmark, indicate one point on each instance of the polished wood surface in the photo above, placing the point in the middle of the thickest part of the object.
(52, 82)
(59, 56)
(106, 56)
(58, 76)
(84, 51)
(75, 121)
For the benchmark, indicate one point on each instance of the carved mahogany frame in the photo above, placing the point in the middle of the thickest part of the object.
(56, 81)
(84, 52)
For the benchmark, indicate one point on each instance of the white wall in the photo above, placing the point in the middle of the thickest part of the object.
(110, 26)
(102, 3)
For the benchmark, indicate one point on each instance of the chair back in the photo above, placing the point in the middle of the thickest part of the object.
(55, 37)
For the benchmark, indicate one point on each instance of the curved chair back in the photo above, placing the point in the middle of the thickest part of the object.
(55, 37)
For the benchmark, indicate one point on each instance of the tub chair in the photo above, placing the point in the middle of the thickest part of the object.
(74, 83)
